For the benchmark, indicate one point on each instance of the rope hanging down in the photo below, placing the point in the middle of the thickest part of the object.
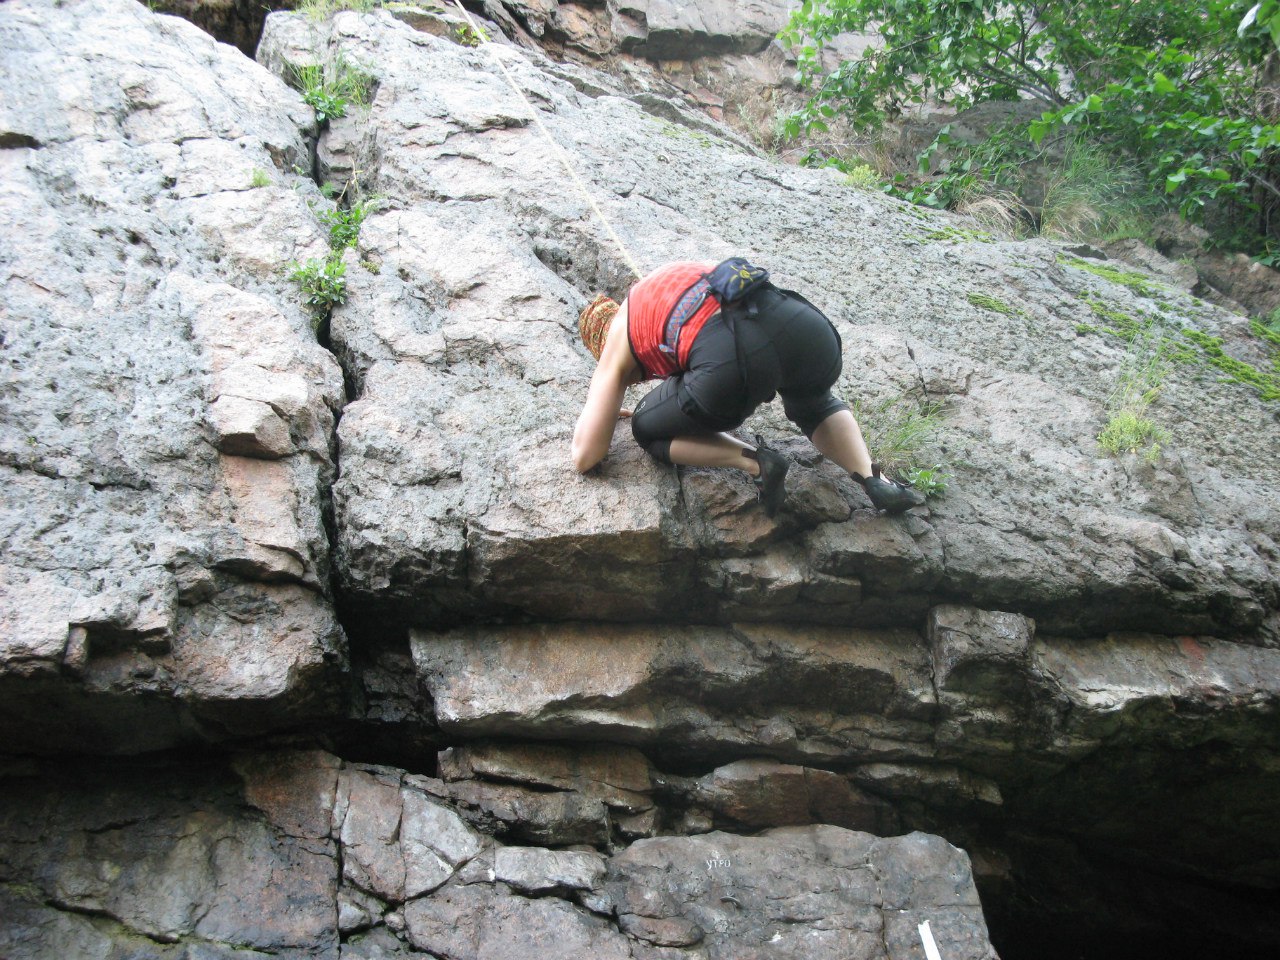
(558, 150)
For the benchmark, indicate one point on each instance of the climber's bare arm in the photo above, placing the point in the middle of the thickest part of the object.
(616, 370)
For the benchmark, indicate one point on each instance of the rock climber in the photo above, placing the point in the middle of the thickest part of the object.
(717, 366)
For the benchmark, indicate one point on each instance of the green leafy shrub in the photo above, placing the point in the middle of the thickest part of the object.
(323, 282)
(469, 36)
(344, 223)
(863, 176)
(1175, 90)
(259, 179)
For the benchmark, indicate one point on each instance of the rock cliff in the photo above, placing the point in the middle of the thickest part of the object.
(314, 644)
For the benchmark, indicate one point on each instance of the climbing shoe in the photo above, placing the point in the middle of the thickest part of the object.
(770, 487)
(888, 495)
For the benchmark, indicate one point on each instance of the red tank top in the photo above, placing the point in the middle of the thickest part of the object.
(665, 312)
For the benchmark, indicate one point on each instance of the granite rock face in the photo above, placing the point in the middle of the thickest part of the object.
(949, 662)
(166, 436)
(562, 702)
(454, 498)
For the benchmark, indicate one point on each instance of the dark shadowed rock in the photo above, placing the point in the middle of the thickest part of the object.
(169, 856)
(107, 861)
(764, 793)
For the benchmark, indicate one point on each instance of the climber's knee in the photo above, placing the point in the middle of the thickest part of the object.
(808, 412)
(660, 450)
(657, 445)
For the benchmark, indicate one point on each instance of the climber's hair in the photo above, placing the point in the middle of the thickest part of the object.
(594, 321)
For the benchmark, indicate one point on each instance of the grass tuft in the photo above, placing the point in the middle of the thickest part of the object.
(899, 432)
(331, 88)
(323, 9)
(1090, 194)
(1130, 432)
(863, 176)
(1128, 428)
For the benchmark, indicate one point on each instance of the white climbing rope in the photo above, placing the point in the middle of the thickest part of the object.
(558, 150)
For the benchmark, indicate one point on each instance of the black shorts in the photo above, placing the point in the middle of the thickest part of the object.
(789, 348)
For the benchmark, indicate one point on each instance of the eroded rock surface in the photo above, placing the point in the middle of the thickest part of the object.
(455, 498)
(166, 435)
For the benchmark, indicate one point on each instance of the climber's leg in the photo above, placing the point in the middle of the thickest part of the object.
(839, 439)
(685, 418)
(674, 431)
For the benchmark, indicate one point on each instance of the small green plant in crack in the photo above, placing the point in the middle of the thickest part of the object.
(469, 36)
(931, 481)
(1128, 428)
(323, 282)
(344, 222)
(259, 178)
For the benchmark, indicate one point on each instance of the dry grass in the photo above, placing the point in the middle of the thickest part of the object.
(999, 212)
